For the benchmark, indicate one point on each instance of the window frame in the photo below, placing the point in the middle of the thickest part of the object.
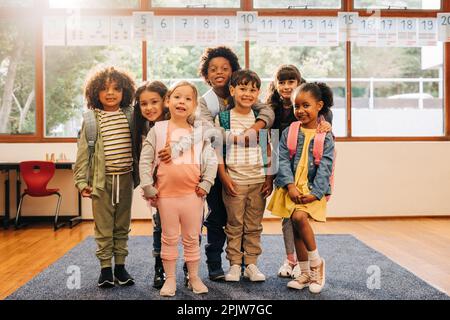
(42, 9)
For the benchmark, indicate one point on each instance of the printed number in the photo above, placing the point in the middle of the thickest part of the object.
(163, 23)
(227, 23)
(308, 24)
(269, 24)
(248, 18)
(348, 19)
(185, 21)
(327, 24)
(206, 23)
(407, 24)
(428, 25)
(387, 24)
(287, 24)
(368, 24)
(143, 20)
(445, 21)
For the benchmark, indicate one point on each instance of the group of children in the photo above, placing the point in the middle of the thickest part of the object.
(182, 149)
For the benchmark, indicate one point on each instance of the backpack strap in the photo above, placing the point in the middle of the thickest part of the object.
(319, 142)
(225, 123)
(212, 102)
(292, 138)
(90, 125)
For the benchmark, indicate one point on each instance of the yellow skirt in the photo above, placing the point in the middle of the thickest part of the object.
(281, 205)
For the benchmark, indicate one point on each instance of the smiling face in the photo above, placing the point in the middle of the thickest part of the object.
(245, 95)
(152, 106)
(285, 87)
(306, 109)
(110, 96)
(219, 72)
(182, 102)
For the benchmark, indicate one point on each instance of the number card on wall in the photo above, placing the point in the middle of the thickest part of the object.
(97, 30)
(163, 31)
(407, 32)
(121, 30)
(367, 32)
(307, 32)
(206, 30)
(348, 26)
(443, 27)
(142, 26)
(288, 31)
(427, 35)
(387, 32)
(328, 31)
(54, 31)
(247, 24)
(76, 36)
(184, 30)
(227, 30)
(267, 31)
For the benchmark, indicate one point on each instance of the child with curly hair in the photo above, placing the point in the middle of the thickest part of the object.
(108, 175)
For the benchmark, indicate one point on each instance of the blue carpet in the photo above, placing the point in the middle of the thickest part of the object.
(354, 271)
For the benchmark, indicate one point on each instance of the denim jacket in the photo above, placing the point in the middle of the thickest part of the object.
(318, 176)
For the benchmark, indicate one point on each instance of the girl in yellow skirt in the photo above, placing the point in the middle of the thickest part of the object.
(303, 181)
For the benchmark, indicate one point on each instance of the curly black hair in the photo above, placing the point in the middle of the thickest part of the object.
(211, 53)
(320, 91)
(99, 78)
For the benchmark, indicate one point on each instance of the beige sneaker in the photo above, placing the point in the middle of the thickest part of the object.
(285, 270)
(234, 274)
(252, 272)
(302, 281)
(317, 278)
(296, 271)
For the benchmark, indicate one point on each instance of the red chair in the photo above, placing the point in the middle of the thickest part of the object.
(36, 175)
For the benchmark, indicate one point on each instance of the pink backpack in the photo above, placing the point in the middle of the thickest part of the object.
(319, 141)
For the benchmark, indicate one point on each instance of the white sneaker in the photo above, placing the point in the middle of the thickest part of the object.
(300, 282)
(234, 274)
(252, 272)
(296, 271)
(285, 270)
(317, 278)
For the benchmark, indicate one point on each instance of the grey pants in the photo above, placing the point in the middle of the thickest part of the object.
(288, 235)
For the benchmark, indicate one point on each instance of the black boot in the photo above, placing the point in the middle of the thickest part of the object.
(122, 276)
(160, 278)
(215, 271)
(106, 279)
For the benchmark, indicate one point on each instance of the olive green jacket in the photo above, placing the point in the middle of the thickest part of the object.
(97, 169)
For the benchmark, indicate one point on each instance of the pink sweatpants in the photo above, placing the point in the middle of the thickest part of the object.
(187, 212)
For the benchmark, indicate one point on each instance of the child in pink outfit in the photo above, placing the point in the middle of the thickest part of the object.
(181, 185)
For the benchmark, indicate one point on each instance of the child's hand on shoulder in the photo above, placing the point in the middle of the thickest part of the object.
(307, 198)
(324, 126)
(200, 192)
(87, 192)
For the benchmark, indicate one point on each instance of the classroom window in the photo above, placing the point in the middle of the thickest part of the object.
(16, 3)
(196, 3)
(404, 4)
(66, 69)
(397, 91)
(324, 64)
(300, 4)
(17, 78)
(170, 64)
(94, 4)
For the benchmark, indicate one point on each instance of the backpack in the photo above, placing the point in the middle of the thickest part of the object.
(225, 122)
(319, 141)
(90, 124)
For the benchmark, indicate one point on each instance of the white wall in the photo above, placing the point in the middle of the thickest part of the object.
(372, 179)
